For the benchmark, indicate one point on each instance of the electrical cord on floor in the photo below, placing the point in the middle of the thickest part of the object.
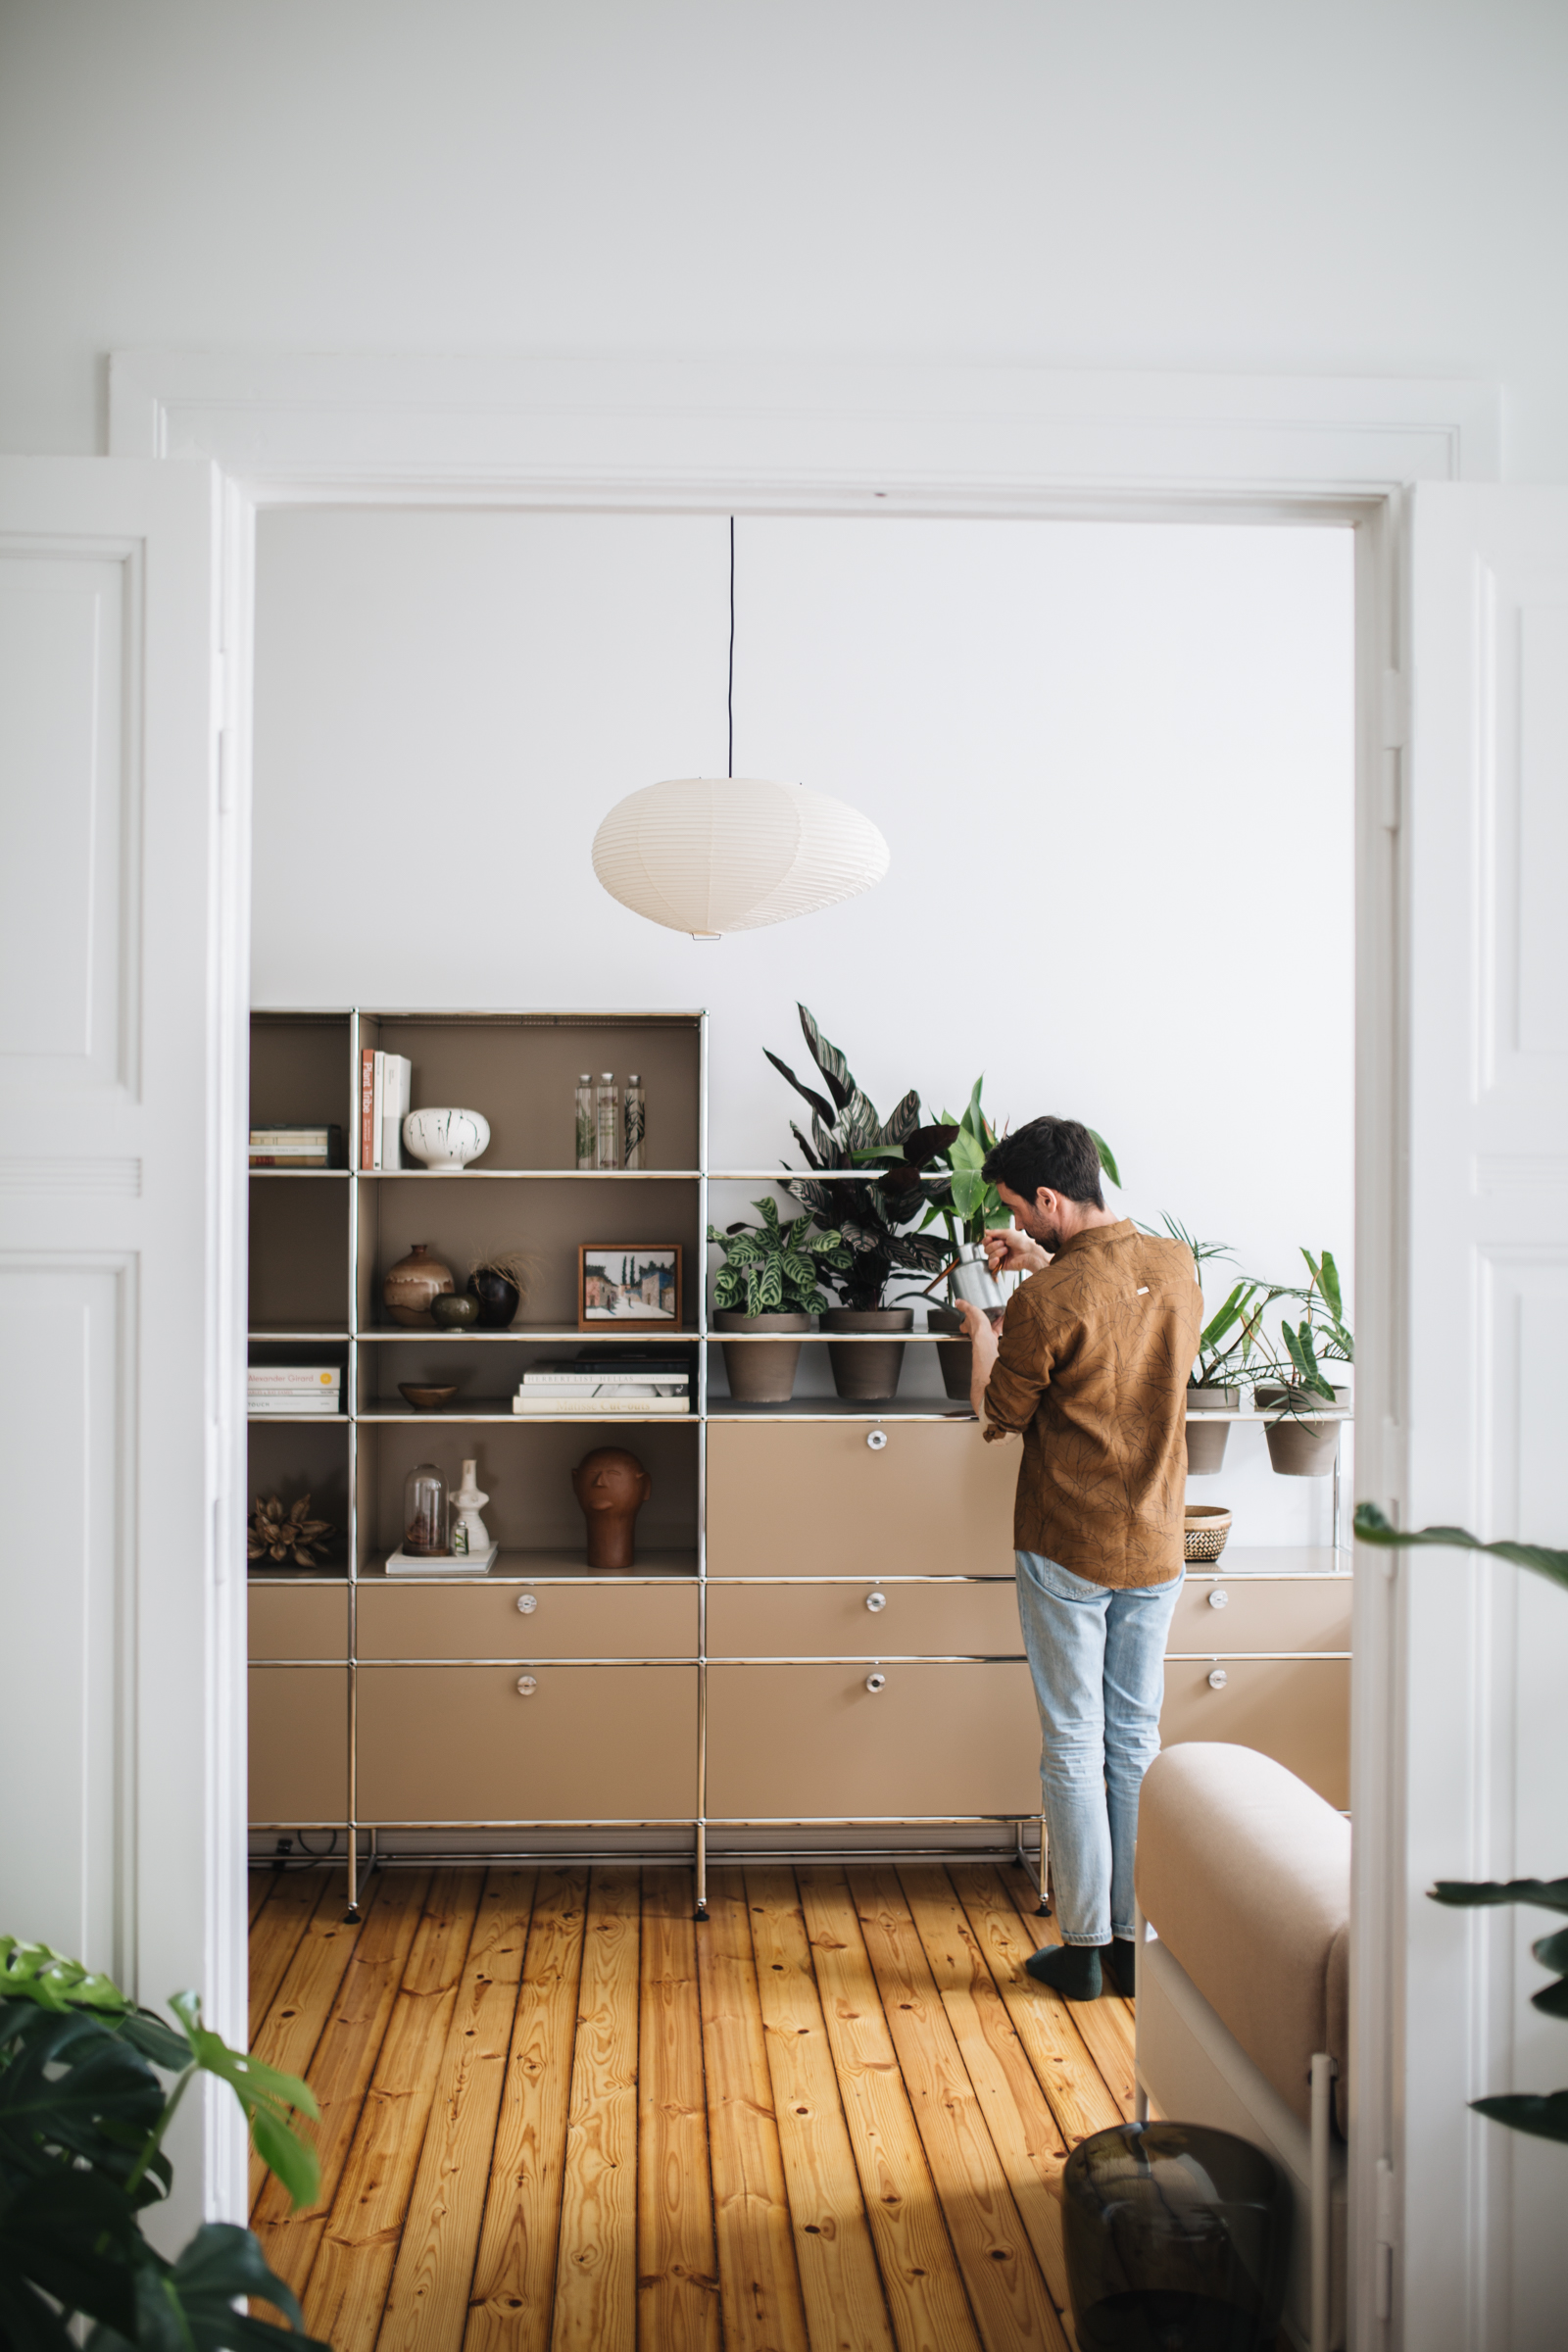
(284, 1859)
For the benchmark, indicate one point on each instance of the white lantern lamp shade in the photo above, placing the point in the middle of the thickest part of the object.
(734, 854)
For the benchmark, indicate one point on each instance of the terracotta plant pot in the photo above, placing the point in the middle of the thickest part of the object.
(414, 1283)
(953, 1355)
(863, 1371)
(1303, 1448)
(761, 1375)
(1213, 1400)
(1205, 1444)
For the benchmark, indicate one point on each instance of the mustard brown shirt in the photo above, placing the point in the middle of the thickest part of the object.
(1092, 1369)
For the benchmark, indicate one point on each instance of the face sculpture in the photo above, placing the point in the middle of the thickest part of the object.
(611, 1486)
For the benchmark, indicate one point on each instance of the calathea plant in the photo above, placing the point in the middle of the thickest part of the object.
(888, 1190)
(83, 2115)
(1543, 2114)
(773, 1268)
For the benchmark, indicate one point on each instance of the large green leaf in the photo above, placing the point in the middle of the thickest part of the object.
(1481, 1895)
(820, 1104)
(828, 1059)
(267, 2095)
(37, 1972)
(70, 2083)
(1373, 1528)
(188, 2306)
(73, 2234)
(1107, 1157)
(1544, 2118)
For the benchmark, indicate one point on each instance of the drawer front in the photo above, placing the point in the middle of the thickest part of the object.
(1298, 1612)
(1296, 1710)
(299, 1744)
(589, 1743)
(800, 1741)
(805, 1621)
(481, 1621)
(309, 1621)
(813, 1498)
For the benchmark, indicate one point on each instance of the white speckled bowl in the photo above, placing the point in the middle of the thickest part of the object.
(445, 1140)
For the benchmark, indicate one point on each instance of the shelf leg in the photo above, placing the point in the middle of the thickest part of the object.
(1043, 1882)
(352, 1914)
(702, 1873)
(1337, 1449)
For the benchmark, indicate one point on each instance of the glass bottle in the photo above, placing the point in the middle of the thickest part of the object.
(607, 1110)
(424, 1512)
(636, 1120)
(585, 1121)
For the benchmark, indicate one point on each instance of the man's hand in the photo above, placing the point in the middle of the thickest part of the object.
(1009, 1251)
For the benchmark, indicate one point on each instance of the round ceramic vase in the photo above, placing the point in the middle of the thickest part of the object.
(445, 1140)
(413, 1286)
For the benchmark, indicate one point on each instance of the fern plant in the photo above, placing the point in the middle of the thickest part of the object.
(773, 1268)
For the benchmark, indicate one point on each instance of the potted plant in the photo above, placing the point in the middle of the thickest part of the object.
(769, 1282)
(878, 1189)
(1302, 1442)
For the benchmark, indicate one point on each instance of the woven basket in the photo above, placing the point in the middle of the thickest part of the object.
(1207, 1529)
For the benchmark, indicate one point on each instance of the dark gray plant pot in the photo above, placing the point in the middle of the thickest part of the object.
(1303, 1448)
(1213, 1400)
(863, 1371)
(1206, 1447)
(761, 1375)
(953, 1355)
(1269, 1396)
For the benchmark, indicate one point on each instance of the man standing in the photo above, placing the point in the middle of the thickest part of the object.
(1091, 1366)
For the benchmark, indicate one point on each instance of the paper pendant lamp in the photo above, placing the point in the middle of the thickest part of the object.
(734, 854)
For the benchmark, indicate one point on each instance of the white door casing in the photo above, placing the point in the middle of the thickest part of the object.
(1484, 1749)
(123, 920)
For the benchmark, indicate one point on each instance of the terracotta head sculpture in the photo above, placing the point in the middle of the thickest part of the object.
(611, 1486)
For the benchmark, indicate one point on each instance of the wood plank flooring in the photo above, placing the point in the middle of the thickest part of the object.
(558, 2116)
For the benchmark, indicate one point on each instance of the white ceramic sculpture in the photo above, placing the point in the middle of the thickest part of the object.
(469, 1531)
(445, 1140)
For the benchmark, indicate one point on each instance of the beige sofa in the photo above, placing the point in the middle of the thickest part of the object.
(1244, 1900)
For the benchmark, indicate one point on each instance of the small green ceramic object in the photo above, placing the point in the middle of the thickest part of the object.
(454, 1310)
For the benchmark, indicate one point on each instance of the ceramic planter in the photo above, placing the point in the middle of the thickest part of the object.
(498, 1297)
(1303, 1448)
(444, 1141)
(1205, 1443)
(863, 1371)
(1213, 1400)
(1269, 1396)
(761, 1375)
(953, 1355)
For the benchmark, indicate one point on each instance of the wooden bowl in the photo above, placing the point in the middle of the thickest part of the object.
(425, 1399)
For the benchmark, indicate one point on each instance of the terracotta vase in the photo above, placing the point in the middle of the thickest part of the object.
(412, 1283)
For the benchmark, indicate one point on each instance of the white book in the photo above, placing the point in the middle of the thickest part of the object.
(446, 1563)
(605, 1387)
(294, 1376)
(272, 1402)
(397, 1101)
(532, 1402)
(631, 1377)
(377, 1101)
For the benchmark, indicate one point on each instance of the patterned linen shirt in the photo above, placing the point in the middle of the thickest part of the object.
(1092, 1368)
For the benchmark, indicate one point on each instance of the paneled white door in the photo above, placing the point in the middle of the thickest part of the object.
(121, 946)
(1483, 1746)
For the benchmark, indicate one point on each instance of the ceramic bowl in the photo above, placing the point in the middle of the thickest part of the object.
(425, 1399)
(445, 1140)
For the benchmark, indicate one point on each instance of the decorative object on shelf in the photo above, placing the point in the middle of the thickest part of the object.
(1175, 2234)
(607, 1380)
(386, 1090)
(607, 1121)
(427, 1398)
(767, 1283)
(425, 1534)
(293, 1388)
(445, 1140)
(413, 1286)
(454, 1310)
(285, 1147)
(634, 1122)
(611, 1486)
(471, 1538)
(287, 1539)
(708, 858)
(627, 1282)
(583, 1120)
(1206, 1534)
(499, 1282)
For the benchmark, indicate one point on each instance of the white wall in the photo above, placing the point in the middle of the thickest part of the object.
(1220, 185)
(1115, 765)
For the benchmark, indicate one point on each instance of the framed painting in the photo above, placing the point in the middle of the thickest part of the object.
(628, 1284)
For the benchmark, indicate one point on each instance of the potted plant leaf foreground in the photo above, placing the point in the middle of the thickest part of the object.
(768, 1283)
(1302, 1440)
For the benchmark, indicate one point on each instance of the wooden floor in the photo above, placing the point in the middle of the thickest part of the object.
(557, 2113)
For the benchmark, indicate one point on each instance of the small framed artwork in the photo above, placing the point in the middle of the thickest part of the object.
(627, 1283)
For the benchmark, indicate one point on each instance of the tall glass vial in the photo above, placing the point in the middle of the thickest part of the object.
(585, 1121)
(424, 1512)
(606, 1113)
(635, 1123)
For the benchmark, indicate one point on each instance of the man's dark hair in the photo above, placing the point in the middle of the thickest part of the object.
(1054, 1155)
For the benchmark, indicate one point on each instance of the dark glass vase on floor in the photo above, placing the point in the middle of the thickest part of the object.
(1177, 2239)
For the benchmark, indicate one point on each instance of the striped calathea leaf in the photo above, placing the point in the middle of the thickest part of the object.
(772, 1268)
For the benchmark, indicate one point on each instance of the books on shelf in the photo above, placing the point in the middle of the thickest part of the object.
(445, 1563)
(294, 1388)
(619, 1381)
(318, 1146)
(386, 1090)
(642, 1400)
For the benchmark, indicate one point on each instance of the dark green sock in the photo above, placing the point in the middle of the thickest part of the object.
(1124, 1961)
(1070, 1969)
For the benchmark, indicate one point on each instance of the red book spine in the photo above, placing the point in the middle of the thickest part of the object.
(367, 1108)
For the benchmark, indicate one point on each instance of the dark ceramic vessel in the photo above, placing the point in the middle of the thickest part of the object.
(498, 1298)
(454, 1310)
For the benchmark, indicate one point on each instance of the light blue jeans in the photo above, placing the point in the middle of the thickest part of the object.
(1098, 1657)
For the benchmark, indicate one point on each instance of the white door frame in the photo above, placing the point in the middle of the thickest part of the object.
(859, 440)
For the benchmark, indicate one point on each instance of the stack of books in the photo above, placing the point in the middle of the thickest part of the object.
(295, 1388)
(599, 1383)
(307, 1146)
(387, 1084)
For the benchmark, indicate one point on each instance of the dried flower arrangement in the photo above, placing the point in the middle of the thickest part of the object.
(270, 1536)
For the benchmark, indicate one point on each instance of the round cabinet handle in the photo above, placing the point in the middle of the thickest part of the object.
(875, 1681)
(527, 1603)
(1218, 1679)
(1219, 1598)
(876, 1439)
(528, 1684)
(875, 1601)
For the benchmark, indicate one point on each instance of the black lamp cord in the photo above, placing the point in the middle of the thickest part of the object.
(730, 704)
